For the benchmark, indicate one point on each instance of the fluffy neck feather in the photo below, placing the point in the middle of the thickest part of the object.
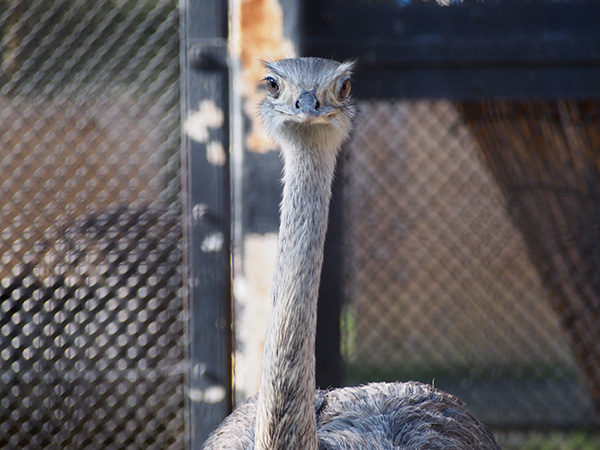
(286, 416)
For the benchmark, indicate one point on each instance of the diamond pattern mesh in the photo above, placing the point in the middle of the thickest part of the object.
(440, 286)
(91, 313)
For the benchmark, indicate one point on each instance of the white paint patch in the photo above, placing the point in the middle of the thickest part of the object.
(214, 394)
(215, 153)
(209, 115)
(211, 395)
(252, 292)
(196, 395)
(212, 243)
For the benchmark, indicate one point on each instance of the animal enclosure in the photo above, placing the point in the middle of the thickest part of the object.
(464, 234)
(439, 278)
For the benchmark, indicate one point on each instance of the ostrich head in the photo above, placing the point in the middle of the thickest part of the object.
(308, 105)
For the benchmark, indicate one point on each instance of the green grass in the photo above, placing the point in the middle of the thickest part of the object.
(576, 440)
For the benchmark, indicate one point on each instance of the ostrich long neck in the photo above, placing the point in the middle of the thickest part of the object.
(286, 415)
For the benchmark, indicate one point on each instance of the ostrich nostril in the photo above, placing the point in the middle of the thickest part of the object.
(307, 102)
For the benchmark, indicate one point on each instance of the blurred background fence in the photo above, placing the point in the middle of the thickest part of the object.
(441, 278)
(469, 228)
(92, 319)
(469, 206)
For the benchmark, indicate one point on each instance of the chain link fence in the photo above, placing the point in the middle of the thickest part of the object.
(443, 283)
(92, 319)
(440, 282)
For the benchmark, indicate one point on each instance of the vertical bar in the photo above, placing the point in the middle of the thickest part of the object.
(329, 373)
(205, 145)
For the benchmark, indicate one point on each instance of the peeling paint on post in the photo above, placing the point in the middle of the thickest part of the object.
(205, 167)
(259, 32)
(198, 123)
(213, 242)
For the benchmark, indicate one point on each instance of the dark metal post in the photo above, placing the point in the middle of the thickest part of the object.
(329, 364)
(205, 144)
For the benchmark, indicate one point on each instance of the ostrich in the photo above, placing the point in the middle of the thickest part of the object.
(309, 112)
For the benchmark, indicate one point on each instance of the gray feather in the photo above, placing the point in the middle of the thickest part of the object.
(376, 416)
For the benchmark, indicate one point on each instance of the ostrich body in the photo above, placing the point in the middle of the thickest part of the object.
(308, 111)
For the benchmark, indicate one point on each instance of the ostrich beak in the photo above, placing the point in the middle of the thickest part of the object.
(307, 108)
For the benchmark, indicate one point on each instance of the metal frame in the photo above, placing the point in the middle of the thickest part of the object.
(207, 205)
(468, 51)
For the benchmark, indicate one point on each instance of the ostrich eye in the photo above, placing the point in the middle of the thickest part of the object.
(272, 86)
(345, 89)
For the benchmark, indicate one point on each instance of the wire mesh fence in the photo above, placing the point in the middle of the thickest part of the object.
(440, 282)
(92, 319)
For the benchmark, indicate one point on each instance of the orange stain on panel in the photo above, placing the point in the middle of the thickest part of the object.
(261, 38)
